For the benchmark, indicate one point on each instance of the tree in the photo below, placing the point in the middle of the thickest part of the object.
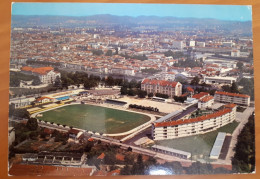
(123, 90)
(36, 81)
(32, 124)
(110, 158)
(133, 83)
(110, 81)
(97, 52)
(22, 113)
(57, 82)
(109, 53)
(181, 79)
(234, 88)
(150, 161)
(126, 170)
(150, 95)
(90, 84)
(142, 94)
(240, 65)
(138, 167)
(195, 81)
(226, 88)
(89, 146)
(131, 92)
(33, 135)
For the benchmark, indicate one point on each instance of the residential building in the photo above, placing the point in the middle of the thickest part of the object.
(200, 95)
(194, 126)
(21, 102)
(171, 88)
(178, 44)
(225, 97)
(201, 44)
(47, 75)
(192, 43)
(220, 79)
(11, 135)
(171, 151)
(205, 102)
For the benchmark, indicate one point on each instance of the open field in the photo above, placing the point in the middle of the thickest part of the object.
(163, 107)
(95, 118)
(199, 145)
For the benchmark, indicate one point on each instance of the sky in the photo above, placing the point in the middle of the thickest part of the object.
(221, 12)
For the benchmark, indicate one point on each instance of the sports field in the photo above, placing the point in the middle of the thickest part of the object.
(95, 118)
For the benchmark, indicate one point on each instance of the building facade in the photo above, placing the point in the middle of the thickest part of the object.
(178, 45)
(194, 126)
(171, 88)
(47, 75)
(219, 80)
(225, 97)
(206, 102)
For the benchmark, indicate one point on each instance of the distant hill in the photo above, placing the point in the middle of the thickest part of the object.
(112, 20)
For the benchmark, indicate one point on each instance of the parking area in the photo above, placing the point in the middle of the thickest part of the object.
(162, 106)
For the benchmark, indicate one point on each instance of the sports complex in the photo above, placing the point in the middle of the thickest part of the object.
(95, 118)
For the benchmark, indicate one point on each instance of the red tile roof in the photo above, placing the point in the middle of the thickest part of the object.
(206, 99)
(120, 157)
(46, 170)
(190, 89)
(200, 95)
(41, 70)
(114, 172)
(232, 94)
(230, 105)
(101, 156)
(159, 82)
(193, 120)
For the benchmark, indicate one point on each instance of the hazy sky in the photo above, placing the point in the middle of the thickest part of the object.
(223, 12)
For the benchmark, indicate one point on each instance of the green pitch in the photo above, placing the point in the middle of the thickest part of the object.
(95, 118)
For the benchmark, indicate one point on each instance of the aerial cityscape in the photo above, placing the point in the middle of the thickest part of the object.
(131, 89)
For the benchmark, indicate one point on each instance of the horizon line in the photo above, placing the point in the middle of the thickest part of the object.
(134, 16)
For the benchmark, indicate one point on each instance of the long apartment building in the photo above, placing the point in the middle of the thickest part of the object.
(171, 88)
(194, 126)
(225, 97)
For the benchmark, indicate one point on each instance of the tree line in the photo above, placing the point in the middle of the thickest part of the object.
(148, 108)
(16, 77)
(244, 158)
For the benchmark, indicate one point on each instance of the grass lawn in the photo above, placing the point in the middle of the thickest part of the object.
(95, 118)
(199, 145)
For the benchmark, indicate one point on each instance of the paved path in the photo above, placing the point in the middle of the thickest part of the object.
(243, 119)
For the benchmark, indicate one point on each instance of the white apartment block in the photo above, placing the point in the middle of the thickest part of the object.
(194, 126)
(47, 75)
(178, 45)
(225, 97)
(219, 79)
(122, 71)
(192, 43)
(171, 88)
(201, 44)
(206, 102)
